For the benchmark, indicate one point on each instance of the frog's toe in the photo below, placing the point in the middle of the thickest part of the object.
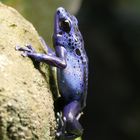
(59, 134)
(59, 119)
(30, 48)
(61, 123)
(26, 51)
(18, 48)
(24, 54)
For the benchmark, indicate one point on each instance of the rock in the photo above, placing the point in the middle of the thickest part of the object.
(26, 104)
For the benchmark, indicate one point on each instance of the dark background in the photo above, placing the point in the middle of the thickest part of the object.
(111, 30)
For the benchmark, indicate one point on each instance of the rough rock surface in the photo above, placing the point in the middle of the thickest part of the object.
(26, 104)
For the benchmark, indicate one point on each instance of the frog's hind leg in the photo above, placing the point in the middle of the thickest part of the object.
(71, 113)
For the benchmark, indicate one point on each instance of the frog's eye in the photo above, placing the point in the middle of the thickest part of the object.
(65, 25)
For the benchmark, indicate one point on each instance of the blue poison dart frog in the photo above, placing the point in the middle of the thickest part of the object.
(72, 71)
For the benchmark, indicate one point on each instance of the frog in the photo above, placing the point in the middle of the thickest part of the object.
(71, 61)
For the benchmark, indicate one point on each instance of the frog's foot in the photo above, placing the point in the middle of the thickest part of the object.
(28, 49)
(61, 122)
(61, 132)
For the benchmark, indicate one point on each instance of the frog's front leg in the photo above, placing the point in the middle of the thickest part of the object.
(58, 61)
(71, 126)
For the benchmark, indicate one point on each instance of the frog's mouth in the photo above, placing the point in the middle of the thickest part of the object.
(57, 36)
(57, 17)
(56, 24)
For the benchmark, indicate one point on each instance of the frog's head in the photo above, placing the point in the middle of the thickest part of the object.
(66, 31)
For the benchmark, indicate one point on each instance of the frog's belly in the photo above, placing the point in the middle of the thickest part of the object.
(71, 81)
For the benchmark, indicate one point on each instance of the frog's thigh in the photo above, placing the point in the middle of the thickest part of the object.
(70, 112)
(72, 109)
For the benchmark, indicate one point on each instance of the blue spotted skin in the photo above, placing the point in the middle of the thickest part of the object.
(72, 80)
(72, 71)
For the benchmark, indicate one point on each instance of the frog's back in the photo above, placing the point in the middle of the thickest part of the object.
(73, 79)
